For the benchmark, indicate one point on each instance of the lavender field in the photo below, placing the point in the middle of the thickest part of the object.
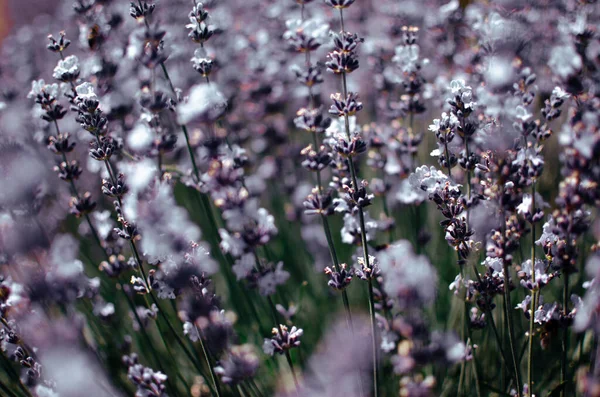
(292, 198)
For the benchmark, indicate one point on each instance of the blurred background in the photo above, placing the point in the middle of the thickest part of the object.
(18, 12)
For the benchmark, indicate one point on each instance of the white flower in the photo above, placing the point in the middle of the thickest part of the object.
(39, 86)
(268, 347)
(244, 265)
(495, 265)
(105, 310)
(351, 227)
(200, 258)
(456, 284)
(446, 121)
(166, 227)
(565, 61)
(522, 113)
(337, 128)
(268, 283)
(408, 277)
(66, 68)
(528, 156)
(407, 194)
(499, 72)
(388, 341)
(435, 127)
(191, 331)
(392, 165)
(266, 221)
(525, 207)
(465, 92)
(65, 248)
(459, 86)
(541, 276)
(140, 138)
(524, 304)
(140, 174)
(231, 244)
(559, 93)
(548, 236)
(44, 391)
(86, 91)
(200, 57)
(456, 352)
(429, 179)
(312, 28)
(103, 223)
(205, 103)
(406, 57)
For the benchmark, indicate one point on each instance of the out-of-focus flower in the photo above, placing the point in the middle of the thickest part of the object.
(67, 69)
(408, 277)
(204, 104)
(565, 61)
(282, 340)
(240, 364)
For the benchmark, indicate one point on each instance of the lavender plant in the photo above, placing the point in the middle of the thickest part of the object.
(300, 198)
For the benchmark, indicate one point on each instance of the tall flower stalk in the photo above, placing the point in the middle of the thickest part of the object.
(342, 61)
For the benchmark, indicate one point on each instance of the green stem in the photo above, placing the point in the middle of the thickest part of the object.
(6, 390)
(213, 377)
(13, 375)
(99, 243)
(183, 126)
(363, 233)
(335, 261)
(386, 211)
(162, 313)
(565, 339)
(508, 311)
(490, 318)
(533, 298)
(447, 153)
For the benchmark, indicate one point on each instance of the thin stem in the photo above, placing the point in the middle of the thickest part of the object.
(6, 390)
(508, 311)
(447, 154)
(99, 243)
(291, 365)
(317, 147)
(470, 338)
(463, 326)
(336, 264)
(157, 360)
(213, 377)
(363, 234)
(490, 318)
(254, 386)
(176, 335)
(461, 379)
(414, 153)
(468, 181)
(162, 313)
(183, 127)
(386, 211)
(533, 298)
(13, 375)
(565, 338)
